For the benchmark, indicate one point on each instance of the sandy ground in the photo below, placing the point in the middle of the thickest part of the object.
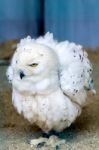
(16, 132)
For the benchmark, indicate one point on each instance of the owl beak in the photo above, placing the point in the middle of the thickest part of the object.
(21, 74)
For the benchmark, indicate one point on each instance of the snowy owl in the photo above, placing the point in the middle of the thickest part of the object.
(49, 81)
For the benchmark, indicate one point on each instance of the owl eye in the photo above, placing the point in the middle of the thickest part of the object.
(33, 65)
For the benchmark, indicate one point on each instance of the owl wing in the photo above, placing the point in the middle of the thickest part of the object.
(75, 68)
(75, 71)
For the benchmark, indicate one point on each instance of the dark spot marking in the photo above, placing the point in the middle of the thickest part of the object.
(41, 54)
(74, 51)
(80, 56)
(91, 81)
(90, 70)
(75, 90)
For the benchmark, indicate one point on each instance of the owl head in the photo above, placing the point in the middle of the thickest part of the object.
(31, 62)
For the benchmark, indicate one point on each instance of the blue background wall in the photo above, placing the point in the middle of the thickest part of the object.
(75, 20)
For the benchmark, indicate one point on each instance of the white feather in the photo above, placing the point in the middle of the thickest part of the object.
(48, 81)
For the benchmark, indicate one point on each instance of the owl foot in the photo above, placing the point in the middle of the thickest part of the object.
(38, 143)
(55, 142)
(51, 142)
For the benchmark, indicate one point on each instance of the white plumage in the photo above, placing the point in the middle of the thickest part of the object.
(49, 81)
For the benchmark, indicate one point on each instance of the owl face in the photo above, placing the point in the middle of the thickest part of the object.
(32, 61)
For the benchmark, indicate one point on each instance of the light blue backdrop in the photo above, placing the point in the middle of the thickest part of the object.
(75, 20)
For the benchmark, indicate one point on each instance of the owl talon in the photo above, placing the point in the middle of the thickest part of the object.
(38, 143)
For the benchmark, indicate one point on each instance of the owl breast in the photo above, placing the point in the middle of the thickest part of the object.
(54, 111)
